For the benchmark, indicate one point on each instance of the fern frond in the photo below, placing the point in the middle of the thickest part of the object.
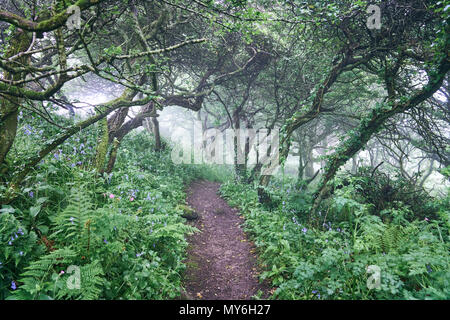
(91, 283)
(38, 272)
(73, 224)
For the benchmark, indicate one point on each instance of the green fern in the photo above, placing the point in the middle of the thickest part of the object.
(392, 237)
(36, 279)
(90, 284)
(73, 225)
(384, 237)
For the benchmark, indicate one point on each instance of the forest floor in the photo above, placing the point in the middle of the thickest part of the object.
(221, 263)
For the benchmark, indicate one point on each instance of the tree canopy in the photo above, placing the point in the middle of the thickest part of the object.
(350, 85)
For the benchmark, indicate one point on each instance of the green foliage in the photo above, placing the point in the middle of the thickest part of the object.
(35, 284)
(17, 248)
(330, 261)
(390, 198)
(123, 231)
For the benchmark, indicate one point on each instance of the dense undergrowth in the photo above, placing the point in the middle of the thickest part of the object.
(402, 233)
(70, 234)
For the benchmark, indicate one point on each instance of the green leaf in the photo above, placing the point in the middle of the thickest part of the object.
(34, 211)
(41, 200)
(7, 209)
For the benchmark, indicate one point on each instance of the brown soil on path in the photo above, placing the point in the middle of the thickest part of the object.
(221, 263)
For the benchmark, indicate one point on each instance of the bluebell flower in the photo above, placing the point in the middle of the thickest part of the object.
(21, 253)
(105, 241)
(31, 194)
(304, 230)
(13, 285)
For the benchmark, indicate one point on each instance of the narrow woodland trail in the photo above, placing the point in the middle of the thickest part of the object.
(221, 263)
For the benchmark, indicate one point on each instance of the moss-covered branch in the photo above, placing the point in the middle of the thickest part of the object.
(126, 100)
(53, 23)
(375, 121)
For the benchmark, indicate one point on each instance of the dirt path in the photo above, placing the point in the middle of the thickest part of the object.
(221, 263)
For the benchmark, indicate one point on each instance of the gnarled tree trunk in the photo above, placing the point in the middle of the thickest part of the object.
(9, 106)
(373, 123)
